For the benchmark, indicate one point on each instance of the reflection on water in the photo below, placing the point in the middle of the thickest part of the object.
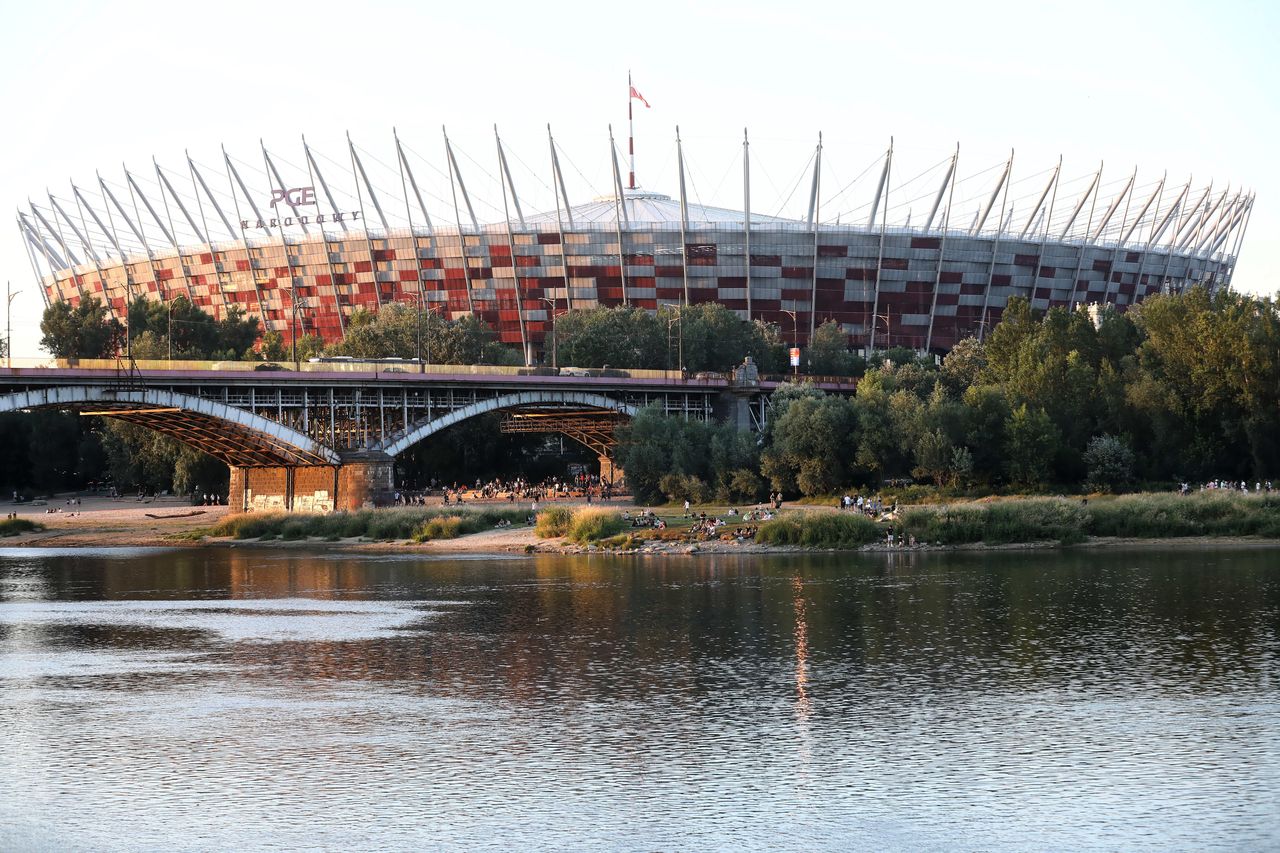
(241, 698)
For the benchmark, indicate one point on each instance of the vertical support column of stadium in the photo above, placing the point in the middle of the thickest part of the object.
(1126, 195)
(558, 189)
(41, 246)
(29, 244)
(218, 266)
(1157, 230)
(1223, 230)
(1048, 221)
(507, 184)
(950, 188)
(1084, 240)
(146, 248)
(995, 243)
(314, 175)
(357, 172)
(1185, 229)
(413, 235)
(455, 175)
(1223, 216)
(815, 221)
(89, 251)
(871, 221)
(1235, 251)
(177, 247)
(202, 230)
(56, 229)
(684, 218)
(746, 215)
(232, 173)
(619, 214)
(129, 282)
(1157, 197)
(167, 232)
(272, 172)
(56, 233)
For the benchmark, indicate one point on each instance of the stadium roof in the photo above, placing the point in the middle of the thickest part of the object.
(646, 206)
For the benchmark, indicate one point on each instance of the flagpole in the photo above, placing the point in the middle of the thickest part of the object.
(631, 130)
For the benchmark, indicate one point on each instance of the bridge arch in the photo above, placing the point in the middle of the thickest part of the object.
(402, 441)
(234, 436)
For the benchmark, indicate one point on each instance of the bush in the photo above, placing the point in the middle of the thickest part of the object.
(443, 527)
(682, 487)
(15, 526)
(819, 530)
(553, 522)
(591, 524)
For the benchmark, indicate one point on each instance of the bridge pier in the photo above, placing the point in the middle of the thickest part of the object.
(362, 480)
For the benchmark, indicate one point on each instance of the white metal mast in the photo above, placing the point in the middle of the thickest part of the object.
(620, 214)
(746, 215)
(455, 178)
(557, 180)
(511, 241)
(684, 218)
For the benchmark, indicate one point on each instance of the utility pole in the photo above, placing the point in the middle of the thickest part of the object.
(422, 367)
(8, 327)
(795, 336)
(551, 302)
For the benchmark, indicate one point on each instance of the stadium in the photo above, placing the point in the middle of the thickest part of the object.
(302, 240)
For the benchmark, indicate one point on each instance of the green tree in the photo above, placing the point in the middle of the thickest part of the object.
(812, 443)
(1110, 463)
(828, 352)
(1030, 444)
(624, 336)
(83, 331)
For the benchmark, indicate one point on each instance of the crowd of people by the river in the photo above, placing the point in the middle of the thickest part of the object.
(582, 486)
(1259, 487)
(873, 507)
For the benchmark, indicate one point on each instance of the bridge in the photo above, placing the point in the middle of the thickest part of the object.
(322, 437)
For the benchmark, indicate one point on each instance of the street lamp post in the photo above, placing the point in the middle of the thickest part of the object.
(169, 306)
(795, 336)
(293, 331)
(888, 344)
(8, 328)
(551, 302)
(422, 368)
(676, 320)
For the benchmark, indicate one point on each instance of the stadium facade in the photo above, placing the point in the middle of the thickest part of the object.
(302, 256)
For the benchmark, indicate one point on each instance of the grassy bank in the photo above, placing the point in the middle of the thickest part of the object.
(420, 524)
(819, 529)
(1065, 520)
(16, 526)
(582, 525)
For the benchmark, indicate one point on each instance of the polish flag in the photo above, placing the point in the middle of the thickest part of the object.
(640, 97)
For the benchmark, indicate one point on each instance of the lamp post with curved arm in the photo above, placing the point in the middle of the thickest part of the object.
(795, 337)
(552, 305)
(8, 328)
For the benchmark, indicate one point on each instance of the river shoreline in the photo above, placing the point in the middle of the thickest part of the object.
(102, 522)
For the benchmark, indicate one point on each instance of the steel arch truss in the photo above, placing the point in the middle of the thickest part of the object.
(399, 442)
(232, 435)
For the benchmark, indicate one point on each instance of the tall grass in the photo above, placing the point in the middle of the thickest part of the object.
(1141, 516)
(553, 522)
(1211, 513)
(591, 524)
(819, 529)
(418, 523)
(15, 526)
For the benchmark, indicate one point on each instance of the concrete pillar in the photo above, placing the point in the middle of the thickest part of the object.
(609, 472)
(362, 480)
(365, 480)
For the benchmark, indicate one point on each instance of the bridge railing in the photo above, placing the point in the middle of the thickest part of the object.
(331, 365)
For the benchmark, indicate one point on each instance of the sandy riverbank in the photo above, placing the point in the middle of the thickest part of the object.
(171, 522)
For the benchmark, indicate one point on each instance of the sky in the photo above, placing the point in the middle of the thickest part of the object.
(1191, 88)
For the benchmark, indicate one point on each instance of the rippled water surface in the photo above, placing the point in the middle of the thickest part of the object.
(238, 699)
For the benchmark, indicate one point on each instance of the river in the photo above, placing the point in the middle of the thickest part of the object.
(243, 699)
